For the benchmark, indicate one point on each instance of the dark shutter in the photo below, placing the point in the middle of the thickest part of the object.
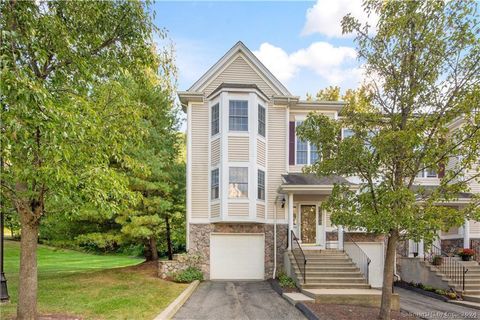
(291, 143)
(441, 170)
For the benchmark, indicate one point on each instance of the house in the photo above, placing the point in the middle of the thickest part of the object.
(250, 210)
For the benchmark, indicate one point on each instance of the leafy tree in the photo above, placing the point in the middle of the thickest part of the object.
(424, 73)
(65, 111)
(332, 93)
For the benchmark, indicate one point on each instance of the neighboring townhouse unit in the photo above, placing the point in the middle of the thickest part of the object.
(249, 206)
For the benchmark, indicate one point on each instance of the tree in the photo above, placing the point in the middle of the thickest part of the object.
(423, 71)
(332, 93)
(65, 112)
(156, 183)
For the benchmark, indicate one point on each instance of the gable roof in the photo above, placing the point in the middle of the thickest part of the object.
(228, 58)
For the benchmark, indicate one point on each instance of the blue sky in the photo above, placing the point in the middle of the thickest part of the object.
(300, 42)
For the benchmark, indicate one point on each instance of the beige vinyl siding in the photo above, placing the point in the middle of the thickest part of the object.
(199, 165)
(260, 210)
(238, 148)
(239, 71)
(215, 210)
(277, 155)
(238, 209)
(215, 152)
(451, 231)
(261, 152)
(474, 227)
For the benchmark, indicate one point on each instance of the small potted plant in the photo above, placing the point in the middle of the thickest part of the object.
(437, 260)
(466, 254)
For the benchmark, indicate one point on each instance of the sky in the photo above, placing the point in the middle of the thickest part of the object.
(299, 41)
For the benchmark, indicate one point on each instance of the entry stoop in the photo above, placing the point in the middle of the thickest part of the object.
(359, 297)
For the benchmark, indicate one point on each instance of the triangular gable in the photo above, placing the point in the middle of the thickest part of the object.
(239, 65)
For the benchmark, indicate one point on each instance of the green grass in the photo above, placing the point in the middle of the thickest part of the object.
(91, 286)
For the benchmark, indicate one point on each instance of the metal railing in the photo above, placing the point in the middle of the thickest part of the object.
(446, 264)
(299, 256)
(358, 256)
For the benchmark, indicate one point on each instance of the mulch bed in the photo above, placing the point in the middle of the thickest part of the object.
(349, 312)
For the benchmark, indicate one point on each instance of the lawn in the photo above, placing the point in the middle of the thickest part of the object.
(91, 286)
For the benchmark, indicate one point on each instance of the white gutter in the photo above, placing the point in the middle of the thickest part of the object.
(275, 236)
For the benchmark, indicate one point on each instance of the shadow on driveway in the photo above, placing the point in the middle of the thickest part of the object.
(237, 300)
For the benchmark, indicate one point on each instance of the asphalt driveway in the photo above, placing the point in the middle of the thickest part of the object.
(237, 300)
(428, 308)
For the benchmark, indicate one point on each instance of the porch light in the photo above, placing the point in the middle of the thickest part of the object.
(283, 202)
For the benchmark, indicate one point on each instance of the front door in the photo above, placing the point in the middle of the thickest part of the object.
(308, 221)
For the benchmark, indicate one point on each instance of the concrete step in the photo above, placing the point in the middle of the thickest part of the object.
(296, 297)
(362, 297)
(327, 285)
(469, 304)
(470, 292)
(334, 280)
(332, 267)
(472, 298)
(331, 275)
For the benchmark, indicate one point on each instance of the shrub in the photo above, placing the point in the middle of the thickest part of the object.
(452, 295)
(188, 275)
(285, 281)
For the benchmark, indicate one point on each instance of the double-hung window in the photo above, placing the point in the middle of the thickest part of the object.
(427, 173)
(261, 185)
(214, 188)
(347, 133)
(238, 115)
(215, 121)
(307, 153)
(261, 121)
(238, 182)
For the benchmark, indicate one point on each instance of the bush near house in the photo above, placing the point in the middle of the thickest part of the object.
(285, 281)
(188, 275)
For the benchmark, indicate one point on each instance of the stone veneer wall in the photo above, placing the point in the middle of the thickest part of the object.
(200, 242)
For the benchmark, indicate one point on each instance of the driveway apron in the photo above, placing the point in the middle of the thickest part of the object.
(237, 300)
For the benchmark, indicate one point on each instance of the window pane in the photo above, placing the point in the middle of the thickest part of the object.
(214, 189)
(215, 119)
(313, 154)
(302, 151)
(261, 120)
(238, 182)
(238, 115)
(347, 133)
(261, 185)
(431, 173)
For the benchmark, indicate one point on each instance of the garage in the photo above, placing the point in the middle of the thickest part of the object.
(237, 256)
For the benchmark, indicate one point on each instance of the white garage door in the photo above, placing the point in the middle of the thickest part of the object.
(237, 256)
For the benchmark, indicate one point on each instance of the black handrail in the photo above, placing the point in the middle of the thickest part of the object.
(357, 255)
(446, 264)
(296, 247)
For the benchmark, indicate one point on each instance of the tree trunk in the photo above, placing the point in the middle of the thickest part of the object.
(169, 239)
(387, 288)
(27, 287)
(152, 242)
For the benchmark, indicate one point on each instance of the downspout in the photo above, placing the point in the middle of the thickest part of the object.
(275, 237)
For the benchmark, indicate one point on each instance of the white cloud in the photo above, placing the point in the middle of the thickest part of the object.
(326, 15)
(277, 61)
(336, 65)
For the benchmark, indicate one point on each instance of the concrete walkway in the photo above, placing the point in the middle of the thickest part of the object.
(428, 308)
(237, 300)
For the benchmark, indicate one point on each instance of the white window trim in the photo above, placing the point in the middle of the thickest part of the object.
(308, 146)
